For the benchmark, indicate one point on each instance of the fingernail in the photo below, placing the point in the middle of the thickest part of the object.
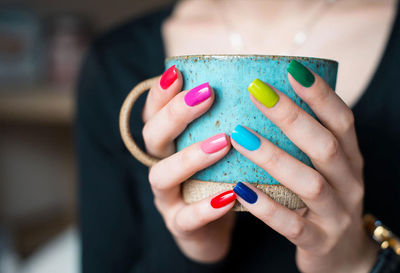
(198, 94)
(301, 74)
(245, 193)
(214, 143)
(223, 199)
(263, 93)
(245, 138)
(168, 77)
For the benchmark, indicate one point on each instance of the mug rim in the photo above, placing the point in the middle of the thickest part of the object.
(243, 56)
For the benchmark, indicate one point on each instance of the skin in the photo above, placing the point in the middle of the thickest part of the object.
(358, 32)
(329, 234)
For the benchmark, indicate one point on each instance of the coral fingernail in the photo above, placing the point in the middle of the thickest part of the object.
(223, 199)
(245, 193)
(198, 94)
(168, 77)
(214, 143)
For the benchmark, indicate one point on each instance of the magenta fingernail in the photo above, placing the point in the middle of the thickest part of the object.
(198, 94)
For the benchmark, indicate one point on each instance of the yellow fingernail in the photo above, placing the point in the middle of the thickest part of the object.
(263, 93)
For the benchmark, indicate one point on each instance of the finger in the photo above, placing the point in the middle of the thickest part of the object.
(328, 106)
(173, 118)
(169, 84)
(169, 173)
(290, 224)
(196, 215)
(303, 180)
(305, 132)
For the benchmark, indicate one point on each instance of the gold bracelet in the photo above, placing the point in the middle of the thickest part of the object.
(382, 234)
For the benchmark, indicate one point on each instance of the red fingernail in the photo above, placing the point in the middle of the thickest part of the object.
(223, 199)
(168, 77)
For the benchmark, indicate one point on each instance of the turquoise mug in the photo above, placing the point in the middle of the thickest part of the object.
(229, 76)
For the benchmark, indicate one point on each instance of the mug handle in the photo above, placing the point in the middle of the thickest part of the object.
(124, 117)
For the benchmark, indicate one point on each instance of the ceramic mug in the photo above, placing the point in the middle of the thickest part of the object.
(229, 76)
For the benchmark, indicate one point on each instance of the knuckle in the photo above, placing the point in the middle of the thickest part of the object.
(347, 121)
(199, 219)
(187, 160)
(146, 133)
(329, 150)
(328, 244)
(180, 227)
(316, 187)
(327, 249)
(154, 179)
(358, 192)
(292, 116)
(175, 227)
(175, 111)
(271, 159)
(199, 215)
(269, 211)
(296, 230)
(158, 204)
(151, 139)
(346, 221)
(322, 97)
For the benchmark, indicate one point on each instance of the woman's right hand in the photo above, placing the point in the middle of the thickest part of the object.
(202, 230)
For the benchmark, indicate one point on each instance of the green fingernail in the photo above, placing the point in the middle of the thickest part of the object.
(263, 93)
(300, 73)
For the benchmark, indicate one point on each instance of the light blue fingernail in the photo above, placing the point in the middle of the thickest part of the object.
(245, 138)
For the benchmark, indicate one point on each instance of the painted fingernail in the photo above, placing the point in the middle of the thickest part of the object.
(198, 94)
(223, 199)
(245, 193)
(300, 73)
(168, 77)
(245, 138)
(214, 143)
(263, 93)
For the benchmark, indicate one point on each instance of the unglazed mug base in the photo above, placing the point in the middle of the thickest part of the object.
(196, 190)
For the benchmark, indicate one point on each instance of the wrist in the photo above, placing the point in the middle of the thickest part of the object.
(203, 251)
(368, 255)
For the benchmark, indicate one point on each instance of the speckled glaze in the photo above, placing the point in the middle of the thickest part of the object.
(229, 76)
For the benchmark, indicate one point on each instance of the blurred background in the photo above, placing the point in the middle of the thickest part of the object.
(42, 43)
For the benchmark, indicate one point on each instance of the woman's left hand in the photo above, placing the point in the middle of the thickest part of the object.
(329, 235)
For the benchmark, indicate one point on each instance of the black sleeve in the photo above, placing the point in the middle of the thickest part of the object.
(108, 213)
(121, 230)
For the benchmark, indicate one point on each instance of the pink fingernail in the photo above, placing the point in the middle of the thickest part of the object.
(198, 94)
(214, 143)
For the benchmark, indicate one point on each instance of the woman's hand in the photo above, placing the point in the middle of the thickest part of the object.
(202, 230)
(329, 235)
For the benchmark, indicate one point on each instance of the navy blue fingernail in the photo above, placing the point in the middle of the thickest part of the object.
(245, 193)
